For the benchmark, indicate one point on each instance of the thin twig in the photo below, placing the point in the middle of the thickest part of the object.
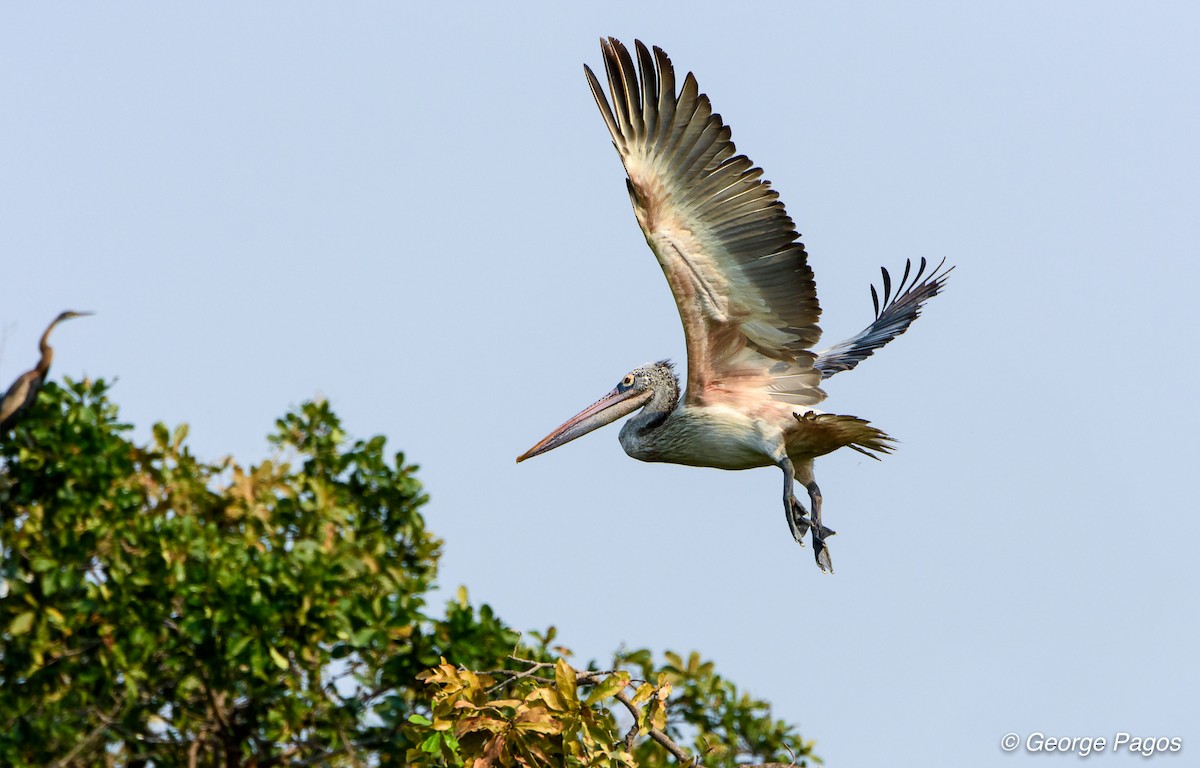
(76, 652)
(537, 666)
(582, 676)
(350, 749)
(791, 752)
(86, 741)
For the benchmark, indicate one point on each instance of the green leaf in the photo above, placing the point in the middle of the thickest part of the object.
(42, 564)
(608, 687)
(433, 744)
(419, 720)
(179, 436)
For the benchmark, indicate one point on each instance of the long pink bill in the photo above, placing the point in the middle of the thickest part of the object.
(606, 410)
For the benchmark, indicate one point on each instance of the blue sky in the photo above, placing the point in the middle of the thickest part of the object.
(420, 217)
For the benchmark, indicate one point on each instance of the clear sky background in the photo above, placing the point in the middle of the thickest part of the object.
(416, 212)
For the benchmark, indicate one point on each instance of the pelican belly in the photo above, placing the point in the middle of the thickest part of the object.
(708, 436)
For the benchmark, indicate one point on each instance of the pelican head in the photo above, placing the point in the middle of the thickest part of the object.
(652, 384)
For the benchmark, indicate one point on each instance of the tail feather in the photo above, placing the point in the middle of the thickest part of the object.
(823, 433)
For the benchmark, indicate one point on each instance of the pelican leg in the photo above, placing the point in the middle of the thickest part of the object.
(793, 510)
(819, 531)
(798, 517)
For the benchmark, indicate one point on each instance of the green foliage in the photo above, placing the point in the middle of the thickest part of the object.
(172, 602)
(158, 609)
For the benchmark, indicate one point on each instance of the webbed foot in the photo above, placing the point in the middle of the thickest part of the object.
(820, 550)
(797, 518)
(819, 531)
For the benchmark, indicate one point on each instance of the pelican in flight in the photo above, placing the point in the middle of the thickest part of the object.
(24, 390)
(745, 294)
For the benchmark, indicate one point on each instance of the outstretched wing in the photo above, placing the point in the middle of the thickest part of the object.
(893, 319)
(730, 252)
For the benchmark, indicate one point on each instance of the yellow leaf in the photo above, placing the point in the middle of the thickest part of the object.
(401, 633)
(538, 721)
(277, 657)
(553, 698)
(21, 624)
(658, 716)
(471, 724)
(643, 693)
(564, 676)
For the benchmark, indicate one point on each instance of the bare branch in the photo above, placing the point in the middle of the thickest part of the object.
(194, 750)
(666, 741)
(622, 697)
(669, 744)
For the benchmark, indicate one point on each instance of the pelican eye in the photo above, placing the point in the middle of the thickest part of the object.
(627, 382)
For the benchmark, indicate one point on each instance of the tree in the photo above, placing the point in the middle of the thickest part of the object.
(156, 609)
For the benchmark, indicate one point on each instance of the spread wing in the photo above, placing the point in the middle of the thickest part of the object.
(730, 252)
(893, 319)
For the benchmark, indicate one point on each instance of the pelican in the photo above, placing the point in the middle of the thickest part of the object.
(745, 294)
(23, 391)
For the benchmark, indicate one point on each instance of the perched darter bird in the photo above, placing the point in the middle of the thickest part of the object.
(745, 294)
(23, 392)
